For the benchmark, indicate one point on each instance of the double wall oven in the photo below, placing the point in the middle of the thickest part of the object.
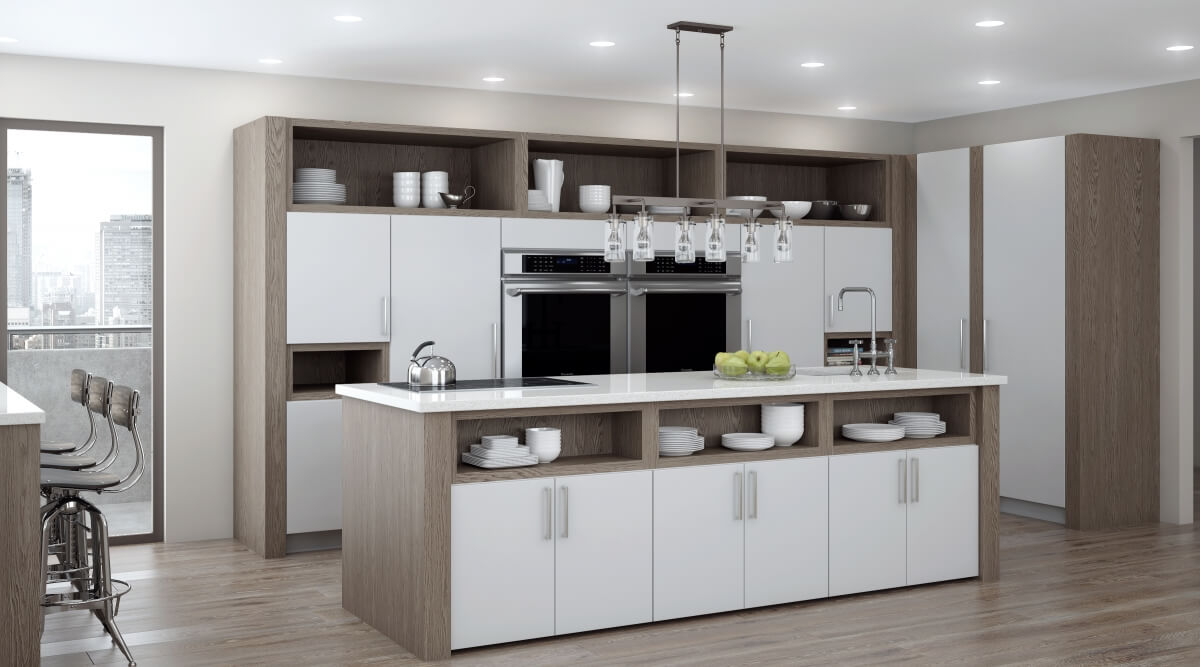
(572, 313)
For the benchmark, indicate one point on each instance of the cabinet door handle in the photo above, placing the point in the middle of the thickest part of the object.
(749, 334)
(387, 316)
(547, 502)
(916, 483)
(962, 348)
(903, 482)
(495, 350)
(738, 496)
(753, 494)
(985, 347)
(566, 512)
(831, 310)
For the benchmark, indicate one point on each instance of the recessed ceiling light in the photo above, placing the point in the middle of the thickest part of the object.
(1177, 47)
(493, 79)
(988, 82)
(348, 18)
(812, 65)
(8, 40)
(990, 23)
(847, 108)
(602, 44)
(270, 61)
(685, 95)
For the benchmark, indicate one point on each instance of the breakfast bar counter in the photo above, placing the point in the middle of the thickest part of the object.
(442, 555)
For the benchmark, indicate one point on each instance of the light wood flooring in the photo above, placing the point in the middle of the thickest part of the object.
(1064, 597)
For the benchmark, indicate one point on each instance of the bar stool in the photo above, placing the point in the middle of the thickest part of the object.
(94, 394)
(79, 394)
(89, 584)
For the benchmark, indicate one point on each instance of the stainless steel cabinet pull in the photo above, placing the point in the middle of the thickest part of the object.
(749, 334)
(387, 316)
(831, 310)
(962, 348)
(565, 512)
(495, 350)
(738, 496)
(903, 482)
(985, 347)
(754, 494)
(916, 475)
(547, 503)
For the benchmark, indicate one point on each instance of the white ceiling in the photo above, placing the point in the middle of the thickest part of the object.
(903, 60)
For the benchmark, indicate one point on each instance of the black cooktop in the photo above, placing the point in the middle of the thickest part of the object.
(497, 383)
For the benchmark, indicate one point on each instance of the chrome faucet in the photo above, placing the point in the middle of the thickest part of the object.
(874, 353)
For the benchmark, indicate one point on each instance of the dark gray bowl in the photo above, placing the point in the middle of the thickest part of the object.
(855, 211)
(823, 209)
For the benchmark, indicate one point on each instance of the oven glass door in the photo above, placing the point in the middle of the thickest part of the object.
(682, 330)
(561, 330)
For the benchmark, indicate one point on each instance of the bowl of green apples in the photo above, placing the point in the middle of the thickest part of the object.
(756, 365)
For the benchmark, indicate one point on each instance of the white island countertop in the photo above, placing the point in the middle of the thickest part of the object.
(659, 388)
(16, 410)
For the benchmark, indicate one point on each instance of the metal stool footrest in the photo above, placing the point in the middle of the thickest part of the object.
(84, 599)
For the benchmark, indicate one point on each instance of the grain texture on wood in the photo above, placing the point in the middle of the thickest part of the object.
(902, 212)
(987, 406)
(589, 434)
(714, 421)
(976, 264)
(314, 369)
(396, 523)
(954, 408)
(20, 549)
(1112, 298)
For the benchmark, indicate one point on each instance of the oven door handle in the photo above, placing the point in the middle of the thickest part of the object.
(691, 289)
(558, 289)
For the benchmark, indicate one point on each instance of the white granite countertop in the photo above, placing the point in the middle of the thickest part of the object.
(16, 410)
(659, 387)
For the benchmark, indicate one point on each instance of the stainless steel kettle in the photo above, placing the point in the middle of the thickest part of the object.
(430, 369)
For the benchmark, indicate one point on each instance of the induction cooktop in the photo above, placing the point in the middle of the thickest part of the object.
(497, 383)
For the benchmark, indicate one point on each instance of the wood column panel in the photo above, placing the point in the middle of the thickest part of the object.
(987, 423)
(20, 550)
(976, 250)
(902, 212)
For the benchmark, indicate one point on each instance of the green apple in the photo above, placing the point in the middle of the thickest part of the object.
(742, 354)
(779, 365)
(722, 357)
(733, 366)
(780, 354)
(757, 361)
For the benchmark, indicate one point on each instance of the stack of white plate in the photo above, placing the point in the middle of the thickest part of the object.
(784, 422)
(499, 451)
(594, 198)
(317, 186)
(872, 432)
(544, 442)
(679, 441)
(919, 424)
(538, 201)
(665, 210)
(747, 442)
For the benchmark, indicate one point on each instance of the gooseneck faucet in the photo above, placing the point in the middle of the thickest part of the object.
(874, 346)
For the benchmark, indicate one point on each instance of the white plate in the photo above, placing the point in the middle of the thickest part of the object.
(920, 415)
(492, 464)
(747, 446)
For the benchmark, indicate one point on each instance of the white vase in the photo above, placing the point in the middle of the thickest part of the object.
(548, 177)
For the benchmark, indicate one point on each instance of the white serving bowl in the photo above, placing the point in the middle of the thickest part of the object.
(796, 209)
(746, 212)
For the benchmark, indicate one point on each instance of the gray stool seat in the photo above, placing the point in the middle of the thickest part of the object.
(67, 462)
(58, 447)
(77, 479)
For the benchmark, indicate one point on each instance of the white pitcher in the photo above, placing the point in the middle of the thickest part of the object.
(548, 177)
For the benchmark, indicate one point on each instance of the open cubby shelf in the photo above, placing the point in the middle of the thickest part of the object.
(809, 177)
(313, 370)
(713, 421)
(955, 409)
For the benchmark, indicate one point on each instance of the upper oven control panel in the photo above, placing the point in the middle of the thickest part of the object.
(564, 264)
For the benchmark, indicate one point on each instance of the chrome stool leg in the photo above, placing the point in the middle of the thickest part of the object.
(100, 535)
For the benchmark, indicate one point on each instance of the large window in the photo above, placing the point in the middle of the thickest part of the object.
(82, 275)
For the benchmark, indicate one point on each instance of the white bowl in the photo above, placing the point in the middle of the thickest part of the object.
(746, 212)
(545, 456)
(796, 209)
(406, 200)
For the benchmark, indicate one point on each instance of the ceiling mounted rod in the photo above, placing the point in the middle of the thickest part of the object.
(677, 111)
(707, 29)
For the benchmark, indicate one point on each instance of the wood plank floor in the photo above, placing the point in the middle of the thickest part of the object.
(1064, 597)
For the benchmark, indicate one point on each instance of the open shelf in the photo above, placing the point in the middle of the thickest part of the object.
(715, 420)
(806, 175)
(365, 155)
(955, 407)
(844, 446)
(591, 442)
(313, 370)
(629, 167)
(395, 210)
(718, 454)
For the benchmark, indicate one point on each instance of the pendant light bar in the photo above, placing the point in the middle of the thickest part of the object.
(698, 202)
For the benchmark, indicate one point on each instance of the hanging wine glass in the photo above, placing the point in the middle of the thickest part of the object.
(714, 239)
(783, 243)
(643, 244)
(685, 252)
(614, 240)
(750, 243)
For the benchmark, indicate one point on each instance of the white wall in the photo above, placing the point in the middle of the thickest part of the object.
(200, 108)
(1167, 113)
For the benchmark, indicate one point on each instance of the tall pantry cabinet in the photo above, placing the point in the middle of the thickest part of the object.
(1038, 260)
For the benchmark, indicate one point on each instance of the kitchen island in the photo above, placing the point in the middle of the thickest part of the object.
(20, 603)
(440, 555)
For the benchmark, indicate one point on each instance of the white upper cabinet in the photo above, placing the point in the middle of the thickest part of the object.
(867, 534)
(944, 260)
(501, 562)
(338, 267)
(603, 541)
(698, 540)
(446, 288)
(314, 466)
(787, 530)
(782, 303)
(1024, 311)
(858, 257)
(943, 513)
(566, 234)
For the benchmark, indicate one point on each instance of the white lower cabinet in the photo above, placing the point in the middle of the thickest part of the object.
(314, 466)
(901, 518)
(787, 530)
(534, 558)
(698, 540)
